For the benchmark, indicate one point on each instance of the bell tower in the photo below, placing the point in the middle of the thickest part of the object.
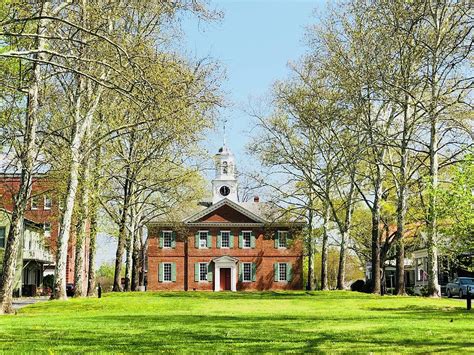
(224, 184)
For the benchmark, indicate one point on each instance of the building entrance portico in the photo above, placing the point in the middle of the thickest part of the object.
(225, 269)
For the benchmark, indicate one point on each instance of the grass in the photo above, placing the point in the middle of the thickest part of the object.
(241, 322)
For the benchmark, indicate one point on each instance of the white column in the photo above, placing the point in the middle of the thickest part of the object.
(217, 278)
(233, 278)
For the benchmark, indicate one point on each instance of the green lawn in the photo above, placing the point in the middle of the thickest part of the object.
(250, 322)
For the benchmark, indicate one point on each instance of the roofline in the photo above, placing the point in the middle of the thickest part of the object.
(221, 203)
(227, 224)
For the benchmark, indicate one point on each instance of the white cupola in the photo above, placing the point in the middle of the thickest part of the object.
(224, 184)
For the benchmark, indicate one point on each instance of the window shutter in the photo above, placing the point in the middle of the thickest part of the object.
(196, 240)
(173, 272)
(231, 240)
(161, 239)
(196, 272)
(209, 272)
(276, 268)
(289, 273)
(219, 240)
(241, 272)
(241, 240)
(277, 240)
(209, 240)
(252, 240)
(173, 239)
(254, 272)
(160, 272)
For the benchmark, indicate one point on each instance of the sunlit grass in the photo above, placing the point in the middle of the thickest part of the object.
(244, 322)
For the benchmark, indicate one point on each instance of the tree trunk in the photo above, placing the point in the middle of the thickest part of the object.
(310, 281)
(136, 260)
(376, 282)
(81, 231)
(129, 255)
(143, 256)
(342, 262)
(93, 228)
(324, 249)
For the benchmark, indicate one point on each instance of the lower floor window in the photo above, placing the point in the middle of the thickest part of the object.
(247, 275)
(167, 272)
(282, 271)
(203, 272)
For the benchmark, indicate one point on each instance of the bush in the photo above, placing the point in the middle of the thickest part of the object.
(358, 286)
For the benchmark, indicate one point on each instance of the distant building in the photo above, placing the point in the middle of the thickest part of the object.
(226, 244)
(34, 256)
(43, 209)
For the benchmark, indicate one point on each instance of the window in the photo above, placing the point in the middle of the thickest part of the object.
(203, 239)
(34, 203)
(202, 271)
(48, 203)
(421, 266)
(282, 239)
(47, 229)
(282, 268)
(225, 239)
(2, 237)
(247, 273)
(247, 236)
(167, 272)
(167, 239)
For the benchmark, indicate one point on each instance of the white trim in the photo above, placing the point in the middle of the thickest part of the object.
(45, 197)
(31, 203)
(207, 234)
(225, 231)
(171, 271)
(207, 268)
(243, 271)
(286, 238)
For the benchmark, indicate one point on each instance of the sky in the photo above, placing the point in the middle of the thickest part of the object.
(253, 43)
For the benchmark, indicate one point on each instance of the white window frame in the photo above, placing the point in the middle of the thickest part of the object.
(228, 240)
(47, 231)
(200, 235)
(35, 200)
(206, 265)
(47, 206)
(250, 272)
(243, 240)
(284, 274)
(164, 272)
(170, 233)
(285, 233)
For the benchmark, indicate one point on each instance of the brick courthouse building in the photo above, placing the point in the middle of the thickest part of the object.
(227, 244)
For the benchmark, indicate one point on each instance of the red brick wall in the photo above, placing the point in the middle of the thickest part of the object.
(264, 255)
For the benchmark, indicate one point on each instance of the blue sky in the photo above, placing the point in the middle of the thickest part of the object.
(254, 42)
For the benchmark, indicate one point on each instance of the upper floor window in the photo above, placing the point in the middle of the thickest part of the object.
(225, 239)
(247, 239)
(34, 203)
(224, 167)
(282, 239)
(48, 202)
(167, 239)
(2, 236)
(47, 229)
(203, 239)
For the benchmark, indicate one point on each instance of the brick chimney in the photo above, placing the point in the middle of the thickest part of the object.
(256, 199)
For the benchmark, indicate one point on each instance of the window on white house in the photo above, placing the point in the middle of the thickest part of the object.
(282, 239)
(47, 229)
(167, 239)
(282, 271)
(247, 239)
(166, 271)
(247, 274)
(203, 272)
(202, 239)
(34, 203)
(2, 236)
(225, 239)
(48, 202)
